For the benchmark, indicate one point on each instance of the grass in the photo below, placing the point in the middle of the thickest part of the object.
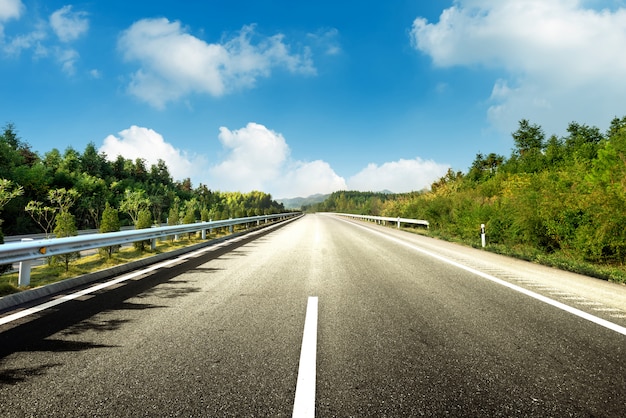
(610, 272)
(51, 273)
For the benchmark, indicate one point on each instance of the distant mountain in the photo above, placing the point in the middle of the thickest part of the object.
(298, 202)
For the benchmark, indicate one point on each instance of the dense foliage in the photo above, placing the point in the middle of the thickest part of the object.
(35, 189)
(564, 195)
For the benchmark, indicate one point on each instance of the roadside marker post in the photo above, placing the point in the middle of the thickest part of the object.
(482, 235)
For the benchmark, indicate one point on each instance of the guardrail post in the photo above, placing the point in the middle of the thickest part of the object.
(24, 274)
(231, 228)
(153, 241)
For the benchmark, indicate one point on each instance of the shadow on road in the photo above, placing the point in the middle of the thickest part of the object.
(75, 317)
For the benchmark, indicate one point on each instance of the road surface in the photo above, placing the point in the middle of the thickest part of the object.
(360, 320)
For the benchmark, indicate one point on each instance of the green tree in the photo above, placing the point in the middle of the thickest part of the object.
(134, 202)
(173, 217)
(64, 199)
(528, 137)
(528, 154)
(144, 220)
(8, 191)
(66, 227)
(42, 215)
(94, 194)
(110, 223)
(582, 142)
(93, 163)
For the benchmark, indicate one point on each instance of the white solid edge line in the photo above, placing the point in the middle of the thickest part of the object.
(589, 317)
(304, 403)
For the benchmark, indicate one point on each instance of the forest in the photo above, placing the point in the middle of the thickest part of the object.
(560, 199)
(72, 190)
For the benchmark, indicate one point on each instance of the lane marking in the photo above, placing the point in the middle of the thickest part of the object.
(581, 314)
(304, 403)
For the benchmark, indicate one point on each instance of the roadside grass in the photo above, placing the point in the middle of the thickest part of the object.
(51, 273)
(609, 272)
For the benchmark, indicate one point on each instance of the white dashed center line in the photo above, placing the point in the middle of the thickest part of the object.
(304, 403)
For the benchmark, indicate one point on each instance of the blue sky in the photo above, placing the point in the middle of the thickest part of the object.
(297, 98)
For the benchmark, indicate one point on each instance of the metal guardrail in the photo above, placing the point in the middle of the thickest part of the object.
(386, 219)
(26, 251)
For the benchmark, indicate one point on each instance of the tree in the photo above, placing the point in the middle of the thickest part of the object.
(159, 173)
(110, 223)
(134, 202)
(529, 144)
(484, 167)
(91, 162)
(8, 191)
(582, 141)
(64, 199)
(140, 173)
(94, 194)
(10, 157)
(66, 227)
(528, 137)
(173, 217)
(42, 215)
(71, 160)
(144, 220)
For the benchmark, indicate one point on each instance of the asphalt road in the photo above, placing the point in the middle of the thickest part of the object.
(404, 326)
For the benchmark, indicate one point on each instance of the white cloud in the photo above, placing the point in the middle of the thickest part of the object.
(10, 9)
(326, 40)
(67, 58)
(398, 176)
(302, 179)
(31, 40)
(563, 61)
(69, 25)
(66, 24)
(257, 158)
(137, 142)
(174, 63)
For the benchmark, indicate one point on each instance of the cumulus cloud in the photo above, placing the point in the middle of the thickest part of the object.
(174, 63)
(257, 158)
(68, 25)
(137, 142)
(562, 60)
(302, 179)
(398, 176)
